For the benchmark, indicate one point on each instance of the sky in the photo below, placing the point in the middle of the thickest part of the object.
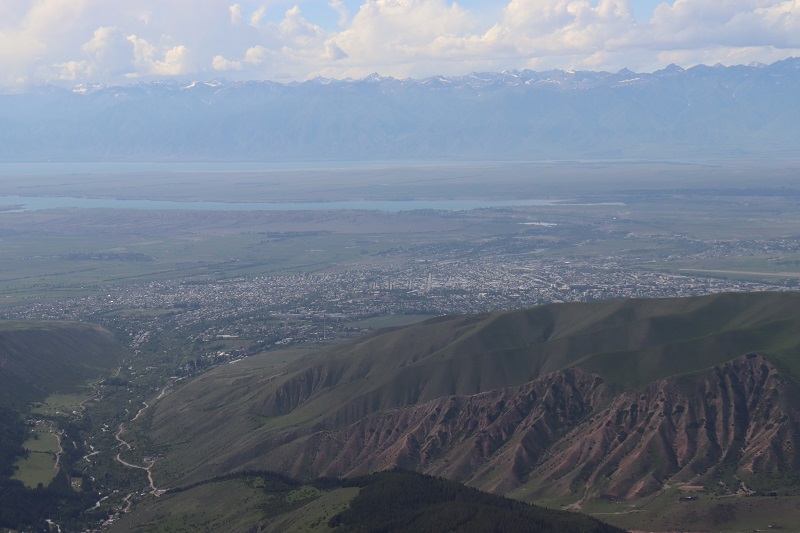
(70, 42)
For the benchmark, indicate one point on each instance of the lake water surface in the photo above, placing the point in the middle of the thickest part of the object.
(36, 203)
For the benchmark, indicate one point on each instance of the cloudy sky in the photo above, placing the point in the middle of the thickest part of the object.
(124, 41)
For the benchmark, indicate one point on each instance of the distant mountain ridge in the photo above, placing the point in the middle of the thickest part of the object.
(673, 113)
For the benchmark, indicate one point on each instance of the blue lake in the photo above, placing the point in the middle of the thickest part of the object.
(36, 203)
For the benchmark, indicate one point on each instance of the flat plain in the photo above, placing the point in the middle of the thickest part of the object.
(692, 219)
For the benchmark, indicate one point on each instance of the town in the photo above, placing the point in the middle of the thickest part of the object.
(260, 313)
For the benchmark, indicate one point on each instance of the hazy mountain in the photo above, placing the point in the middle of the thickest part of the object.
(743, 111)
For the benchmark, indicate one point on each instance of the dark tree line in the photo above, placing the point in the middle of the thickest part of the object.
(26, 509)
(12, 436)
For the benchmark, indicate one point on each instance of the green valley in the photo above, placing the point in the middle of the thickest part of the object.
(48, 371)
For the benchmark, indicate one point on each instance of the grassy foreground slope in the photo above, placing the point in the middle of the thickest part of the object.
(389, 501)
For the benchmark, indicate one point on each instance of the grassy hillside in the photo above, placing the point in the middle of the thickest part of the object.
(389, 501)
(39, 358)
(629, 343)
(566, 403)
(240, 503)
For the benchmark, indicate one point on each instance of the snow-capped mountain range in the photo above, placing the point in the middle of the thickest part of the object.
(673, 113)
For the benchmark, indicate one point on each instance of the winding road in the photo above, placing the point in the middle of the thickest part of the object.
(155, 491)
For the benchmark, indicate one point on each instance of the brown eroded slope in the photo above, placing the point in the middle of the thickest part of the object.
(567, 435)
(420, 396)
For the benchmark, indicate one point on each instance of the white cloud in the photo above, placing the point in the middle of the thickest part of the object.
(173, 61)
(111, 41)
(18, 49)
(218, 62)
(401, 34)
(736, 23)
(73, 70)
(341, 9)
(288, 49)
(258, 16)
(333, 52)
(255, 55)
(109, 51)
(236, 13)
(543, 27)
(46, 15)
(295, 29)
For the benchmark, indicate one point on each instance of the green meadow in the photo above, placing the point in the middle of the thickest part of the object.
(40, 464)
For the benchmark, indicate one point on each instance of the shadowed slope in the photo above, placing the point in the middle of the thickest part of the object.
(394, 501)
(38, 358)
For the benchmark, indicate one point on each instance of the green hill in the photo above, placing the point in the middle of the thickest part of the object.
(566, 402)
(629, 343)
(389, 501)
(39, 358)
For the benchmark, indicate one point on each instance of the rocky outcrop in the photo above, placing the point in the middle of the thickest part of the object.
(569, 434)
(457, 436)
(736, 418)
